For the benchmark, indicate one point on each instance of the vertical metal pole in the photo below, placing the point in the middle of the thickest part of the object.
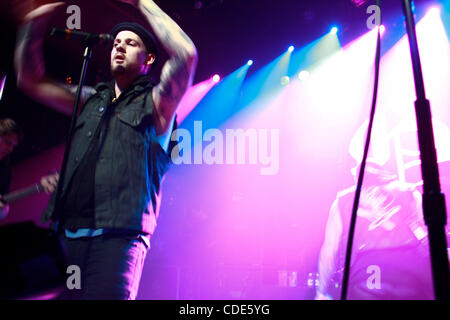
(59, 189)
(433, 200)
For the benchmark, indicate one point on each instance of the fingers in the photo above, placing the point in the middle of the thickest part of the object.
(42, 11)
(49, 183)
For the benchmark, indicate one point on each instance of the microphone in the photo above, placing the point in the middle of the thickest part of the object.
(90, 38)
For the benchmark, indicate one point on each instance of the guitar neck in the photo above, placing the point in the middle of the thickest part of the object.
(22, 193)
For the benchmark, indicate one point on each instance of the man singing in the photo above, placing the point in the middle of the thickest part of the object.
(119, 154)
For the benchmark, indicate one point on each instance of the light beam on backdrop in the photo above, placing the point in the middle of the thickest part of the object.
(264, 82)
(280, 69)
(338, 74)
(194, 95)
(276, 75)
(313, 53)
(219, 103)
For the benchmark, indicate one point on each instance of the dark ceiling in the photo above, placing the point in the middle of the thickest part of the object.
(226, 32)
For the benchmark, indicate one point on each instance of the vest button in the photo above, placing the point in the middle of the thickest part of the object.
(101, 109)
(89, 134)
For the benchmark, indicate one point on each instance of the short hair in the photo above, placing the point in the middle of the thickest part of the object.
(9, 126)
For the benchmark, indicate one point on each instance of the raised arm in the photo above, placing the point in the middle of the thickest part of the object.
(177, 73)
(30, 66)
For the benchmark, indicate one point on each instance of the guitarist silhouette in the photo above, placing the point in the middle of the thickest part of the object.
(10, 137)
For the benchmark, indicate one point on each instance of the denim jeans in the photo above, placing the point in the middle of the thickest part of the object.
(110, 266)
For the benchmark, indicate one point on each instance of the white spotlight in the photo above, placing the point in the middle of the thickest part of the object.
(303, 75)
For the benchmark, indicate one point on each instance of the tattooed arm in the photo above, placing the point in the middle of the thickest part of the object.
(177, 73)
(30, 65)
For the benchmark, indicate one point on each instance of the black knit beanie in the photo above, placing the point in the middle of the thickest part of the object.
(146, 36)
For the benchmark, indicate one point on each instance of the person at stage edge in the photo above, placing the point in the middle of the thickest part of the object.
(10, 137)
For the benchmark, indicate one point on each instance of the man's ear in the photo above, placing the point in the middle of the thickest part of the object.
(150, 59)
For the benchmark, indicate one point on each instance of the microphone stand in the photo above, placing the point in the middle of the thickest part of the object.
(434, 210)
(89, 44)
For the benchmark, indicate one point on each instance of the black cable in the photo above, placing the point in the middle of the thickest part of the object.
(363, 166)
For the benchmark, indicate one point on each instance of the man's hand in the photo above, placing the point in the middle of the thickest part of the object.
(49, 183)
(4, 209)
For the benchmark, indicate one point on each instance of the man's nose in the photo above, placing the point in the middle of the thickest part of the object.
(120, 48)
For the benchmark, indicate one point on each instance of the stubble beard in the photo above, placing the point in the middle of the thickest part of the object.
(117, 70)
